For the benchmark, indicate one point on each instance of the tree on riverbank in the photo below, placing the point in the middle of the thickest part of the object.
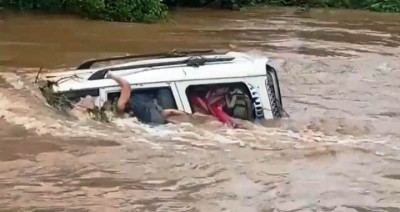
(374, 5)
(153, 10)
(110, 10)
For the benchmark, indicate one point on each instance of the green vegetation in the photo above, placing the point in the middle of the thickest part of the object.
(111, 10)
(374, 5)
(153, 10)
(383, 5)
(64, 104)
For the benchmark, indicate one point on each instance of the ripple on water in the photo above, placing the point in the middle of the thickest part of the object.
(338, 152)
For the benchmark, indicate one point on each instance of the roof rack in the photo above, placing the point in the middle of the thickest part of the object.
(174, 53)
(192, 61)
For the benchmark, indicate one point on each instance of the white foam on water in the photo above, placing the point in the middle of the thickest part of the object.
(45, 121)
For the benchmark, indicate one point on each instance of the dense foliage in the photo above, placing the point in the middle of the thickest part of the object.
(374, 5)
(113, 10)
(152, 10)
(383, 5)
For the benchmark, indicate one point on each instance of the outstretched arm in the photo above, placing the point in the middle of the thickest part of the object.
(125, 91)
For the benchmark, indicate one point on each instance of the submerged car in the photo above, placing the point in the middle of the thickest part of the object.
(250, 84)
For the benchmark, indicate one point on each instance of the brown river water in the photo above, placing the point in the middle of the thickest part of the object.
(339, 151)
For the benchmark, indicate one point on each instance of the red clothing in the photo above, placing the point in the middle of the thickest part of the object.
(213, 105)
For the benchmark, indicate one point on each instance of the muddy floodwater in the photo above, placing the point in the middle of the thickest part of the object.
(339, 151)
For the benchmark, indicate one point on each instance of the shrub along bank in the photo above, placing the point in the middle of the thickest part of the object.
(110, 10)
(374, 5)
(153, 10)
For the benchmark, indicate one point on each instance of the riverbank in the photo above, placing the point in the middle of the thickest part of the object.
(155, 10)
(339, 81)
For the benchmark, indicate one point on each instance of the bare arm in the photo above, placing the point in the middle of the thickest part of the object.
(125, 92)
(172, 112)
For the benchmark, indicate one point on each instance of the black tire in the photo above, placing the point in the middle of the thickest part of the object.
(275, 106)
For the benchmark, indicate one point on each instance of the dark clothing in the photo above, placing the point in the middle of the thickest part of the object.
(165, 98)
(146, 109)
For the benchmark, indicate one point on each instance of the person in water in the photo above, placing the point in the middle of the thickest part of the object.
(146, 110)
(143, 106)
